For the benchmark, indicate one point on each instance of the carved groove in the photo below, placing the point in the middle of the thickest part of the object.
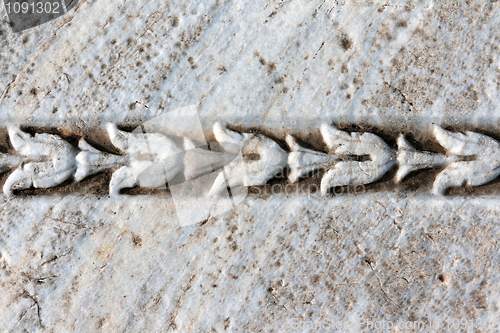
(152, 160)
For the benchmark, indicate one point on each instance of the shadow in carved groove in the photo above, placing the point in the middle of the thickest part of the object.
(418, 180)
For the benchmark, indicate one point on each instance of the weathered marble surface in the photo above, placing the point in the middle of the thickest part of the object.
(125, 264)
(87, 262)
(280, 66)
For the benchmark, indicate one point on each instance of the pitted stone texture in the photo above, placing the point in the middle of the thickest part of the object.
(125, 265)
(272, 65)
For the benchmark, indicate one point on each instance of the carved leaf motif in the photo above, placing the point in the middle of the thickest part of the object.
(410, 159)
(484, 167)
(51, 161)
(303, 161)
(154, 159)
(199, 161)
(270, 159)
(382, 158)
(91, 161)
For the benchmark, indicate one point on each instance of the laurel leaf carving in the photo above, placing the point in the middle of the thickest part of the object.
(483, 168)
(151, 160)
(154, 160)
(49, 161)
(382, 158)
(410, 159)
(303, 161)
(272, 159)
(91, 161)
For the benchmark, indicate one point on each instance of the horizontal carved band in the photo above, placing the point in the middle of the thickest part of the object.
(154, 160)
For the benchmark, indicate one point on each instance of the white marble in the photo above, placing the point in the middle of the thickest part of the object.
(275, 73)
(126, 264)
